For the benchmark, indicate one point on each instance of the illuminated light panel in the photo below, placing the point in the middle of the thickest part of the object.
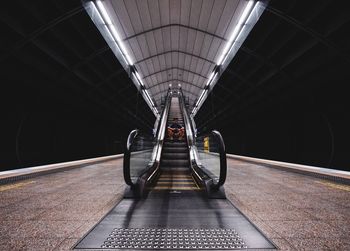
(111, 29)
(234, 37)
(239, 27)
(211, 78)
(105, 19)
(137, 76)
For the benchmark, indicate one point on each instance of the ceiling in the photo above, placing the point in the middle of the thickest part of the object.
(53, 48)
(171, 43)
(296, 58)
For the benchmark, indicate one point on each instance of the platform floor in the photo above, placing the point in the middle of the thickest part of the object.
(52, 212)
(296, 212)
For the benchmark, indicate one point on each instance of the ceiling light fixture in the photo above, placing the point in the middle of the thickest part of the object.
(138, 78)
(238, 29)
(102, 19)
(211, 79)
(101, 10)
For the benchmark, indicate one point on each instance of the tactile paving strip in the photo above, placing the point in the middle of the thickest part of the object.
(173, 238)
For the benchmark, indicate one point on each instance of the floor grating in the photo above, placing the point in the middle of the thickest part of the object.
(173, 238)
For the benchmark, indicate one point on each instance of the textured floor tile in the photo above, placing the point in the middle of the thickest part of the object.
(284, 214)
(343, 226)
(36, 244)
(304, 229)
(319, 244)
(301, 208)
(19, 214)
(66, 244)
(283, 244)
(44, 229)
(8, 227)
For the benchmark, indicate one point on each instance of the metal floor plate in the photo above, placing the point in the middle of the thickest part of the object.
(173, 239)
(168, 220)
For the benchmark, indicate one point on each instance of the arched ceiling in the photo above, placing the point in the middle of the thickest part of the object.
(172, 42)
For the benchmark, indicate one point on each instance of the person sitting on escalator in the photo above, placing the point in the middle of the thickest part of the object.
(175, 130)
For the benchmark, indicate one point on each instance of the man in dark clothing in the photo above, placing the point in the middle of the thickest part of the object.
(176, 130)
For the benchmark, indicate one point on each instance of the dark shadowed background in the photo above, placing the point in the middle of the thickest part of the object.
(64, 96)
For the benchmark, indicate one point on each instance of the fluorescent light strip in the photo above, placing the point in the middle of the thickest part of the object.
(201, 97)
(210, 81)
(246, 15)
(111, 28)
(151, 102)
(97, 12)
(138, 79)
(211, 78)
(102, 14)
(236, 31)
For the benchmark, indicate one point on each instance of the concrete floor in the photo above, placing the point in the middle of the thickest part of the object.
(296, 212)
(52, 212)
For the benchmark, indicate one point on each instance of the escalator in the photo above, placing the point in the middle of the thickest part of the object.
(175, 164)
(175, 198)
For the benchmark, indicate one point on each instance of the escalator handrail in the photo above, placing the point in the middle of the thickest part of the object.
(222, 154)
(127, 153)
(157, 149)
(158, 126)
(191, 139)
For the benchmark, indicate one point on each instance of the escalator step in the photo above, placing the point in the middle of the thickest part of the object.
(175, 150)
(173, 168)
(174, 162)
(175, 144)
(175, 156)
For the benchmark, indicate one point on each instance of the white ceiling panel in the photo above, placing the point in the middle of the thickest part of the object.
(215, 16)
(206, 46)
(135, 48)
(151, 43)
(175, 59)
(199, 67)
(187, 61)
(206, 10)
(143, 44)
(214, 48)
(158, 37)
(175, 37)
(198, 43)
(182, 60)
(185, 12)
(144, 12)
(143, 69)
(134, 16)
(164, 9)
(195, 13)
(122, 15)
(156, 63)
(226, 17)
(174, 6)
(174, 41)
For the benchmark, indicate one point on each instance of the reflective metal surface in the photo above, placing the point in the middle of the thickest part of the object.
(173, 238)
(209, 155)
(140, 154)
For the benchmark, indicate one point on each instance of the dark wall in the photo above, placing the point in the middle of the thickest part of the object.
(309, 128)
(285, 95)
(42, 123)
(63, 94)
(38, 130)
